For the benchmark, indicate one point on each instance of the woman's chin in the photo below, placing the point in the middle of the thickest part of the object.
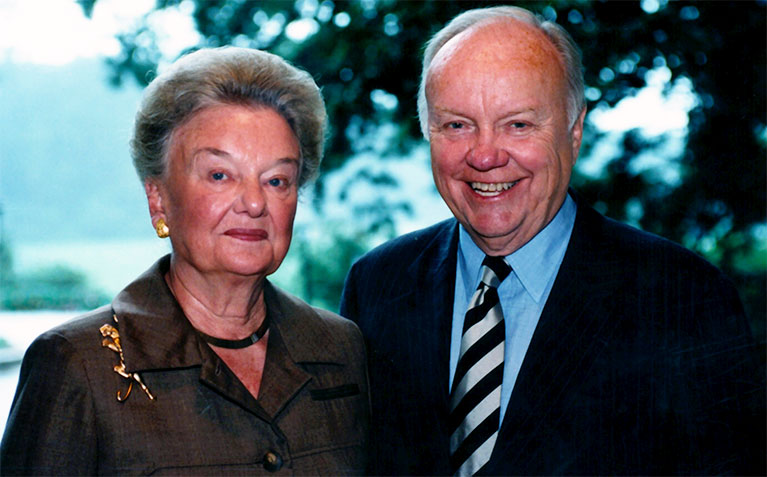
(237, 264)
(251, 268)
(246, 272)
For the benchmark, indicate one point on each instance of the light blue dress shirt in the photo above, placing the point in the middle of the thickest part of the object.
(522, 295)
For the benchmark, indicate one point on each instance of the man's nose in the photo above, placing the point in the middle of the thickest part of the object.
(486, 154)
(252, 199)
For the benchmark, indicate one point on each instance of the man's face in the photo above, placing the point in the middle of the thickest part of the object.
(501, 146)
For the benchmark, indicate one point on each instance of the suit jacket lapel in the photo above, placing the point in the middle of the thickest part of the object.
(428, 340)
(433, 302)
(572, 329)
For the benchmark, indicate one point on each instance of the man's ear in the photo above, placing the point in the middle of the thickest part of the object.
(154, 198)
(576, 134)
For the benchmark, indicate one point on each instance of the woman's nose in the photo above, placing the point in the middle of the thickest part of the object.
(486, 154)
(252, 200)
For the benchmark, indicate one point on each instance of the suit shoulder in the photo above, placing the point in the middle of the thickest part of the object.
(649, 250)
(405, 247)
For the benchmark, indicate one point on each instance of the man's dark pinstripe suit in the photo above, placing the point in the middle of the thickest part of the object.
(642, 361)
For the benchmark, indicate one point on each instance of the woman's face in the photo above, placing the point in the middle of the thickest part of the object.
(230, 192)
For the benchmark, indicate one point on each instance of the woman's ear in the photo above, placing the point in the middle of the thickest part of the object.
(154, 200)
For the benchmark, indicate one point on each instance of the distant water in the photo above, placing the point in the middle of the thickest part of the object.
(109, 264)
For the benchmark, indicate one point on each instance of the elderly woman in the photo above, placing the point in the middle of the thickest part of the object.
(201, 365)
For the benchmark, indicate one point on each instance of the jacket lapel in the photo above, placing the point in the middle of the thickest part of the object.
(573, 328)
(432, 300)
(155, 334)
(427, 342)
(154, 331)
(297, 336)
(282, 378)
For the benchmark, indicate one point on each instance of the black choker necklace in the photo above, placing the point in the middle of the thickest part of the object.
(237, 344)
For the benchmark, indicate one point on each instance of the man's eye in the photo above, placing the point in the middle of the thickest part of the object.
(518, 125)
(454, 125)
(218, 176)
(276, 182)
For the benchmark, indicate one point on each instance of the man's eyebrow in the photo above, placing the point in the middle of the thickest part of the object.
(440, 110)
(514, 112)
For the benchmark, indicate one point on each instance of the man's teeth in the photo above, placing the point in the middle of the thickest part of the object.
(491, 188)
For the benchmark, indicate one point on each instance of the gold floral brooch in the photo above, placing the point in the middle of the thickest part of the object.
(112, 341)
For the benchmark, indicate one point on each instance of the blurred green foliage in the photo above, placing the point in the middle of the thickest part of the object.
(366, 56)
(52, 288)
(323, 262)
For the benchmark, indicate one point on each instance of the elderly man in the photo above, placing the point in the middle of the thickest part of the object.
(532, 335)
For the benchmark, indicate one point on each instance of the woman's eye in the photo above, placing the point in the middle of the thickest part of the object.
(454, 125)
(518, 125)
(218, 176)
(276, 182)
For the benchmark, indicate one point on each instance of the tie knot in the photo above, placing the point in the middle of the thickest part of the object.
(498, 266)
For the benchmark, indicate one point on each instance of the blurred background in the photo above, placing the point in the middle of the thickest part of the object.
(675, 143)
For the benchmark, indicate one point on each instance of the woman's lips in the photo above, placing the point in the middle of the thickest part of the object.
(250, 235)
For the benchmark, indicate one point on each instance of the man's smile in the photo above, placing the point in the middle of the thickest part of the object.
(491, 189)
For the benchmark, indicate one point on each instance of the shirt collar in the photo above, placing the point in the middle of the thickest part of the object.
(155, 333)
(534, 263)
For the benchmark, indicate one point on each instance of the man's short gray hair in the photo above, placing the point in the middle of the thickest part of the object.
(562, 41)
(220, 76)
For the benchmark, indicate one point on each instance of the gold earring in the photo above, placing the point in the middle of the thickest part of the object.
(162, 229)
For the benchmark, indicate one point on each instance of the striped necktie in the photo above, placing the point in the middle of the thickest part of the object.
(475, 400)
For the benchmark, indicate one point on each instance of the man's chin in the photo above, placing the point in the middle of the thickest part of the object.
(496, 241)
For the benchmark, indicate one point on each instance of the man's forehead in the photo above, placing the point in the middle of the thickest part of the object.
(499, 40)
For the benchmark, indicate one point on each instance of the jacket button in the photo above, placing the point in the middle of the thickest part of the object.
(272, 461)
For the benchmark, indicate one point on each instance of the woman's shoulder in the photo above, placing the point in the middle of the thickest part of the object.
(283, 302)
(338, 323)
(310, 315)
(82, 326)
(300, 322)
(64, 351)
